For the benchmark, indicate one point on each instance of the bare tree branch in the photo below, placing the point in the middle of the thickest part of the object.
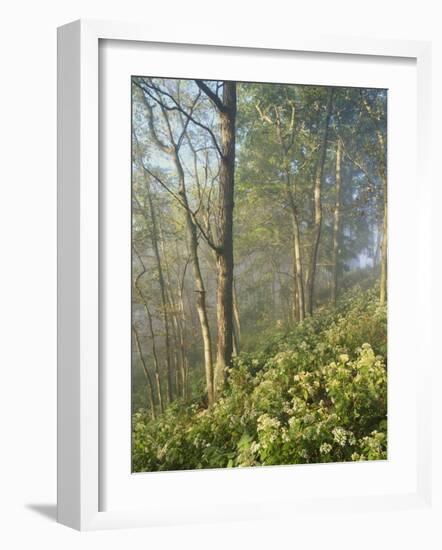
(264, 116)
(211, 95)
(183, 205)
(176, 107)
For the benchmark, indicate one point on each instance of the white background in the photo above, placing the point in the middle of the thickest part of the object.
(28, 277)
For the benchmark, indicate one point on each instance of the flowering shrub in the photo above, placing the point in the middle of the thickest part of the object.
(317, 393)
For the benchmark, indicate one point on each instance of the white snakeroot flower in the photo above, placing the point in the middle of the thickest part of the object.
(340, 436)
(325, 448)
(267, 422)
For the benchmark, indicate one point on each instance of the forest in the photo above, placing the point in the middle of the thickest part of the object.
(259, 274)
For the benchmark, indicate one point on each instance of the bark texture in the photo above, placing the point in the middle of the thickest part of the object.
(224, 258)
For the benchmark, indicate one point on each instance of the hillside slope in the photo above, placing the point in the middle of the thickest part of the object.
(314, 393)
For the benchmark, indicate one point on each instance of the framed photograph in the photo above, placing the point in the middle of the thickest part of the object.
(240, 318)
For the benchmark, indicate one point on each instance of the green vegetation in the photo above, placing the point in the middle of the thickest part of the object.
(315, 391)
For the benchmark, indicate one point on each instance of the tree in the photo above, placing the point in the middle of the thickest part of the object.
(317, 191)
(164, 302)
(378, 118)
(226, 107)
(336, 222)
(285, 125)
(138, 288)
(172, 148)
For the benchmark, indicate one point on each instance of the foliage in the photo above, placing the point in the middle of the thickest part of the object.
(315, 392)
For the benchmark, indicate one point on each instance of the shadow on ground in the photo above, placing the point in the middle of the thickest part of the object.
(49, 511)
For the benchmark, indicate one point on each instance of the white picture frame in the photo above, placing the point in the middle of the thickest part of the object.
(79, 294)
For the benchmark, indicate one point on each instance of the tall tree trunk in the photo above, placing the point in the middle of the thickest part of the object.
(310, 282)
(225, 251)
(336, 224)
(164, 303)
(146, 372)
(384, 242)
(200, 290)
(183, 331)
(383, 175)
(298, 283)
(295, 304)
(297, 267)
(176, 358)
(183, 357)
(179, 350)
(236, 318)
(155, 359)
(384, 250)
(235, 347)
(183, 346)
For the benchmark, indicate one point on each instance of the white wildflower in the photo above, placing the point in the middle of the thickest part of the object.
(340, 436)
(325, 448)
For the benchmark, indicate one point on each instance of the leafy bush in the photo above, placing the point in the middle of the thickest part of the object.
(317, 393)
